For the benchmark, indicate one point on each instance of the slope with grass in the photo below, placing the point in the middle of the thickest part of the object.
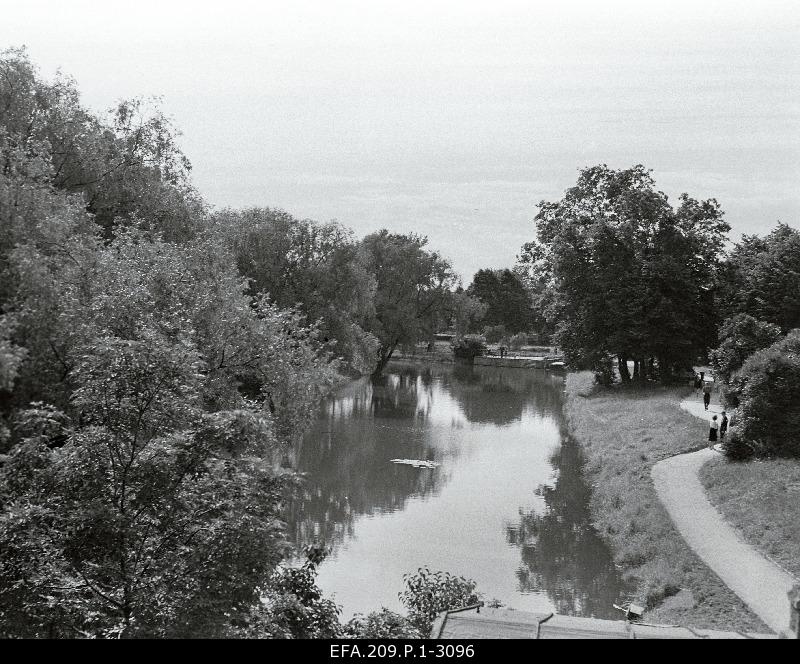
(761, 499)
(624, 432)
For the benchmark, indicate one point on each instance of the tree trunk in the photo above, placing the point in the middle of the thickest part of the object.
(384, 360)
(624, 373)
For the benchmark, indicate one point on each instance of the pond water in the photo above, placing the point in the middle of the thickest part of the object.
(506, 505)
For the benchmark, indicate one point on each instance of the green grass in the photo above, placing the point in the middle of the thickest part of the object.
(762, 500)
(623, 432)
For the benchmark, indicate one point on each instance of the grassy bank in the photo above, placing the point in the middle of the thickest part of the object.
(762, 499)
(623, 432)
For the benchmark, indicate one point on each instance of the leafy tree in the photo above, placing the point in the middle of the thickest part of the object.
(762, 278)
(313, 267)
(767, 393)
(740, 336)
(414, 289)
(428, 593)
(506, 299)
(628, 275)
(465, 313)
(127, 167)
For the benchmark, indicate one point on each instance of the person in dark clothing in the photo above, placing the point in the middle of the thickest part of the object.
(698, 382)
(707, 388)
(502, 351)
(723, 426)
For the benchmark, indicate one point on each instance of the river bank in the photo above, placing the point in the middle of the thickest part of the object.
(623, 433)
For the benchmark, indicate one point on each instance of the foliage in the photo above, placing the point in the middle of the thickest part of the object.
(740, 336)
(469, 346)
(428, 593)
(383, 624)
(125, 167)
(314, 267)
(413, 293)
(762, 278)
(505, 297)
(464, 312)
(627, 274)
(767, 391)
(494, 333)
(518, 341)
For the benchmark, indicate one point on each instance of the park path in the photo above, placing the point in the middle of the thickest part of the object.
(760, 583)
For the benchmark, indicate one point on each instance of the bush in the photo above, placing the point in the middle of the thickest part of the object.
(469, 346)
(428, 593)
(740, 336)
(383, 624)
(494, 333)
(518, 341)
(767, 390)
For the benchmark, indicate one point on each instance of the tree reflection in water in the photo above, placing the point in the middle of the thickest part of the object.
(561, 552)
(347, 457)
(453, 415)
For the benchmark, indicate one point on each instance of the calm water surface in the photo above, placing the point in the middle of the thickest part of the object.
(506, 506)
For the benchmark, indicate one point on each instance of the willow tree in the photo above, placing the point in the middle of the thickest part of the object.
(414, 288)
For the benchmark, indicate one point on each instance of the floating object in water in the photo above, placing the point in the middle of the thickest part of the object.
(417, 463)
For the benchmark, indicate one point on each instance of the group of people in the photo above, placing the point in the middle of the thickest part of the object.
(718, 427)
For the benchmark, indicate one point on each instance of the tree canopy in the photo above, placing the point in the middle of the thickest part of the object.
(628, 275)
(413, 287)
(506, 299)
(761, 277)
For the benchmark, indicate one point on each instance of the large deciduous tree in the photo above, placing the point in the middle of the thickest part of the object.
(762, 278)
(628, 275)
(506, 298)
(414, 288)
(314, 267)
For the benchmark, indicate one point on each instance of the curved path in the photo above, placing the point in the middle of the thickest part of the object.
(760, 583)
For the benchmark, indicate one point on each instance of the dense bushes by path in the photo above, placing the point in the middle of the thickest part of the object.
(624, 432)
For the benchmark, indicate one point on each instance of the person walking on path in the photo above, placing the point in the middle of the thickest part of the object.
(707, 389)
(712, 432)
(698, 382)
(723, 426)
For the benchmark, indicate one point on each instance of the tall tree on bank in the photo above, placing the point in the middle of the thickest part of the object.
(126, 166)
(506, 299)
(313, 267)
(761, 278)
(628, 275)
(414, 290)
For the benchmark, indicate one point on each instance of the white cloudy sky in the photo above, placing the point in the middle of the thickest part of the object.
(452, 119)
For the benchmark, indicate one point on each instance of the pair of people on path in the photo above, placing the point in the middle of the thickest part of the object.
(716, 427)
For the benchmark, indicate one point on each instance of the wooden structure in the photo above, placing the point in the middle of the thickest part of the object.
(476, 622)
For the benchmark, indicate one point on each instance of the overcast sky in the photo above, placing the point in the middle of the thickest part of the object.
(449, 119)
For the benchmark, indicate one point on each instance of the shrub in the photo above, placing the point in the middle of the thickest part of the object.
(741, 336)
(767, 390)
(494, 333)
(383, 624)
(428, 593)
(469, 346)
(518, 341)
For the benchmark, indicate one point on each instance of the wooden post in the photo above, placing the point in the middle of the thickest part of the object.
(794, 613)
